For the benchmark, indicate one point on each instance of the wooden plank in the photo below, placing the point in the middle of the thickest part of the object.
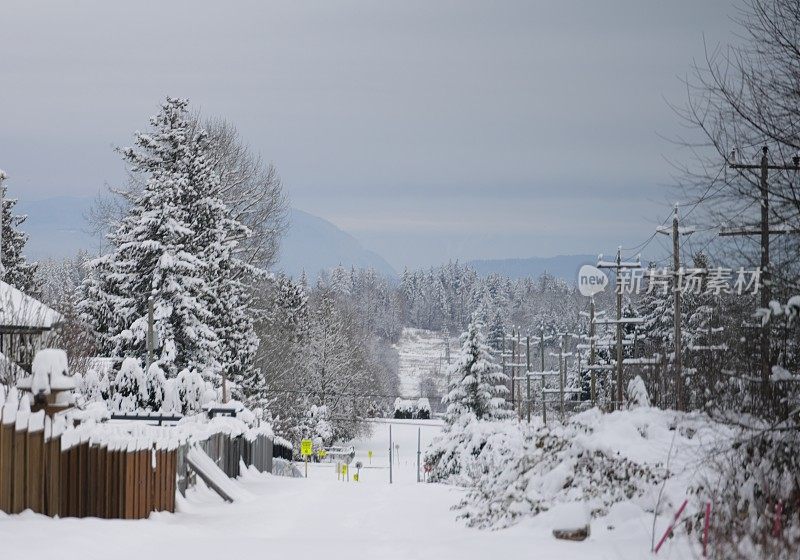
(141, 459)
(92, 480)
(72, 482)
(64, 487)
(130, 486)
(83, 495)
(6, 466)
(54, 486)
(34, 474)
(172, 462)
(122, 477)
(20, 455)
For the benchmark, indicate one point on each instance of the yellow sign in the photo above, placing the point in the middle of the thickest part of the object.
(344, 469)
(306, 447)
(355, 477)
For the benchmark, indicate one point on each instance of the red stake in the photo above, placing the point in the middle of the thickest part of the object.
(672, 525)
(776, 526)
(705, 528)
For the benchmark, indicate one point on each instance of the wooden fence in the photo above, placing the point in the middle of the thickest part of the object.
(123, 471)
(228, 453)
(67, 474)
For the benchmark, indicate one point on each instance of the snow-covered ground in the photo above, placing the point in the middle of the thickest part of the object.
(323, 517)
(422, 353)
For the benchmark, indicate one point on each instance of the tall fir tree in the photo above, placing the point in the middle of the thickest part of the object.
(176, 245)
(15, 269)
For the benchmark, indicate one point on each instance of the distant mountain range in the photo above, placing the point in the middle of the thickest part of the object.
(562, 266)
(57, 228)
(314, 244)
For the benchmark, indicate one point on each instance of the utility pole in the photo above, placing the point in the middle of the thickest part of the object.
(764, 232)
(618, 265)
(527, 374)
(513, 371)
(562, 373)
(391, 459)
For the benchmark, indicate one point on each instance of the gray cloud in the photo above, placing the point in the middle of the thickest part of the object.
(430, 129)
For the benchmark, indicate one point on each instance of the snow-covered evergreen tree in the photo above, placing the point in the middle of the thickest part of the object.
(177, 245)
(478, 386)
(14, 267)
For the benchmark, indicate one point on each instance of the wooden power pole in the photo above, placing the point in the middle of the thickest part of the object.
(764, 232)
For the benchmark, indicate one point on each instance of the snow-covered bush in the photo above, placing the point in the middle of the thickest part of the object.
(154, 387)
(130, 391)
(523, 470)
(191, 391)
(754, 490)
(637, 393)
(456, 447)
(403, 409)
(89, 385)
(172, 403)
(423, 409)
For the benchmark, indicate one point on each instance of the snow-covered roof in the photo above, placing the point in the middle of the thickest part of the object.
(20, 310)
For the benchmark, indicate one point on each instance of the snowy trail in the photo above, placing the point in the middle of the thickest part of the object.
(421, 354)
(318, 516)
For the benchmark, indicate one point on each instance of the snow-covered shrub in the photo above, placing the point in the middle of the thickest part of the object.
(191, 391)
(637, 393)
(172, 398)
(524, 470)
(423, 409)
(89, 385)
(154, 387)
(403, 409)
(456, 447)
(755, 495)
(130, 392)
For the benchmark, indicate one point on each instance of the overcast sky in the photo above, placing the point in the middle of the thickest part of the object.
(430, 130)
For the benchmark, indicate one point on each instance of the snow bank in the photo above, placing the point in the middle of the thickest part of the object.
(595, 459)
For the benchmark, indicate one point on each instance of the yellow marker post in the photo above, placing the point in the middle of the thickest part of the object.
(344, 471)
(306, 450)
(369, 453)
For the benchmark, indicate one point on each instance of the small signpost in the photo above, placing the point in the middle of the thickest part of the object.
(344, 472)
(369, 454)
(306, 450)
(358, 471)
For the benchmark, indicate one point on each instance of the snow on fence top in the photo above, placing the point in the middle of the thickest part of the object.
(76, 426)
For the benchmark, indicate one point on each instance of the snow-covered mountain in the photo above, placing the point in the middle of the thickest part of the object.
(57, 227)
(314, 244)
(563, 266)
